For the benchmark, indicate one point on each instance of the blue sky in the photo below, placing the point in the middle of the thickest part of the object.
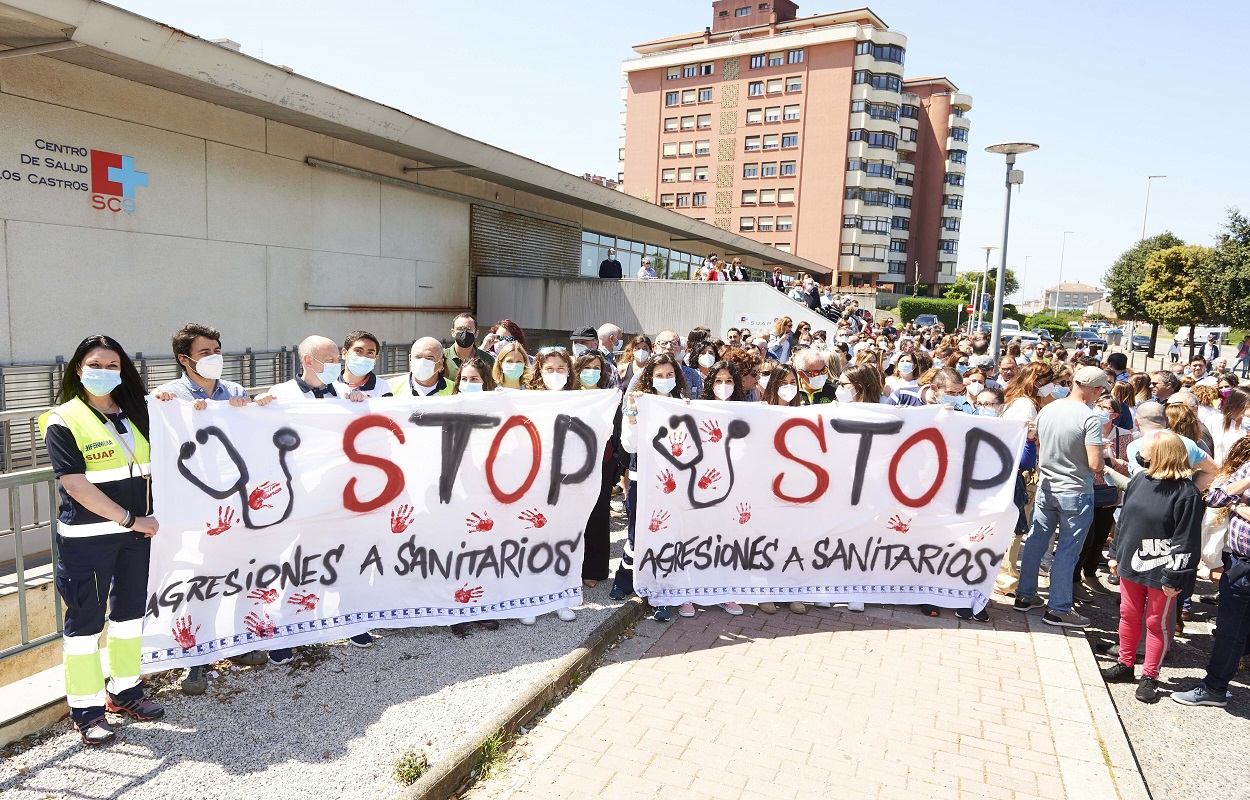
(1112, 91)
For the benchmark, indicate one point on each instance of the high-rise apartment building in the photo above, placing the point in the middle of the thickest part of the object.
(802, 133)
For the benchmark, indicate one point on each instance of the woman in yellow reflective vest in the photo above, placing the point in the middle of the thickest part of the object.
(97, 440)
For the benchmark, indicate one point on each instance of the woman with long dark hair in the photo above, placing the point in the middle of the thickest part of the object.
(591, 374)
(103, 535)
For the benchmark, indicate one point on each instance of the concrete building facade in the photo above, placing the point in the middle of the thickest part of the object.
(780, 127)
(1070, 296)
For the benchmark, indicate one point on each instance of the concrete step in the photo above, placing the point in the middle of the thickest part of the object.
(32, 704)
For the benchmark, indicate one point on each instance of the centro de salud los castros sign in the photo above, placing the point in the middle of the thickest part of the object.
(110, 178)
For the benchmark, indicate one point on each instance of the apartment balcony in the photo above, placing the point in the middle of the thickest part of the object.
(961, 100)
(956, 167)
(866, 121)
(857, 236)
(906, 146)
(861, 150)
(955, 144)
(953, 213)
(899, 211)
(889, 37)
(864, 91)
(951, 189)
(908, 122)
(959, 122)
(857, 177)
(947, 258)
(946, 274)
(622, 119)
(624, 93)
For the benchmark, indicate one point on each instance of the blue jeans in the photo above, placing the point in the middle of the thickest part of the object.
(1244, 363)
(1072, 515)
(1232, 626)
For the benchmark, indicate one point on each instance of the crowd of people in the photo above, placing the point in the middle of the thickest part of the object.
(1150, 467)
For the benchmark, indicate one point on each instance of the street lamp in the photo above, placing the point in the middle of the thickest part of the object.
(1014, 176)
(985, 273)
(1059, 289)
(1149, 178)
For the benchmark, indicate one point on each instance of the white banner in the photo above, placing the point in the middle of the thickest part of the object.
(314, 520)
(746, 502)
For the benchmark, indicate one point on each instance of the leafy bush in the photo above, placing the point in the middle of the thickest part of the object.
(411, 766)
(1057, 326)
(946, 310)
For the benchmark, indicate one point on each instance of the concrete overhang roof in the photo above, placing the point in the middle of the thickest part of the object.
(117, 42)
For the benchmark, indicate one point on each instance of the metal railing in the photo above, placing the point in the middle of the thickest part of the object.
(41, 483)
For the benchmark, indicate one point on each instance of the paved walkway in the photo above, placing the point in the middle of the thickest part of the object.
(882, 704)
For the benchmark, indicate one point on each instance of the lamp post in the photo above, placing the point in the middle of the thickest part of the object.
(1059, 290)
(979, 310)
(1146, 211)
(1014, 176)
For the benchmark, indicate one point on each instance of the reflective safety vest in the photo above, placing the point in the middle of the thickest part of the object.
(121, 475)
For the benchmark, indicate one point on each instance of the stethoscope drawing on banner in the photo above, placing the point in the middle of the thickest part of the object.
(284, 439)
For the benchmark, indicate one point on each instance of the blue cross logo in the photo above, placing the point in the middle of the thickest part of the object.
(127, 176)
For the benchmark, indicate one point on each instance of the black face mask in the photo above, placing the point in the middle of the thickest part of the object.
(1143, 463)
(465, 338)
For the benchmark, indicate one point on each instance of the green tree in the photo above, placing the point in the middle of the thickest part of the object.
(1225, 276)
(1124, 279)
(1171, 290)
(965, 285)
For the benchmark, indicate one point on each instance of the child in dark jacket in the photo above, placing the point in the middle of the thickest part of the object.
(1155, 552)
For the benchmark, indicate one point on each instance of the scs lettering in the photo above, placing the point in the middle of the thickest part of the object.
(114, 180)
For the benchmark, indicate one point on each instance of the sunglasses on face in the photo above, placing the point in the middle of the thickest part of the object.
(506, 339)
(812, 373)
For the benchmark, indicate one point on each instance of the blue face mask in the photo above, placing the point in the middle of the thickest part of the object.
(664, 385)
(1060, 392)
(590, 377)
(330, 371)
(1103, 415)
(360, 366)
(513, 370)
(986, 412)
(100, 382)
(961, 368)
(465, 386)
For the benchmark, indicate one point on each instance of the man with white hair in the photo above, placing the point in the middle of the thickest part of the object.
(610, 342)
(814, 385)
(425, 371)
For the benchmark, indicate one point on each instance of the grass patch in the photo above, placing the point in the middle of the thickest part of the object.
(490, 756)
(410, 766)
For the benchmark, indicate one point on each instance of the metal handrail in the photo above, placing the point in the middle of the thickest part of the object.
(13, 483)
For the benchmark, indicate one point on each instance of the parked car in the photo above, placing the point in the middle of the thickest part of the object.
(926, 320)
(1201, 333)
(1141, 342)
(1043, 334)
(1086, 336)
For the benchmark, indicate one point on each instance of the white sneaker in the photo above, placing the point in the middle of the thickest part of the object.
(528, 620)
(854, 606)
(566, 614)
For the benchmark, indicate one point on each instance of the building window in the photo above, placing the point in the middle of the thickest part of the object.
(885, 141)
(898, 245)
(792, 113)
(888, 52)
(765, 224)
(705, 121)
(620, 154)
(876, 225)
(908, 134)
(900, 224)
(685, 149)
(888, 83)
(875, 169)
(707, 69)
(669, 150)
(667, 200)
(954, 201)
(856, 135)
(851, 221)
(687, 123)
(785, 195)
(769, 169)
(958, 156)
(742, 12)
(910, 112)
(897, 267)
(957, 111)
(702, 147)
(850, 249)
(746, 223)
(670, 124)
(668, 175)
(794, 84)
(869, 253)
(785, 223)
(772, 114)
(768, 196)
(863, 48)
(789, 140)
(775, 59)
(950, 224)
(705, 95)
(775, 85)
(794, 56)
(959, 134)
(748, 197)
(949, 245)
(752, 143)
(954, 179)
(755, 116)
(700, 173)
(758, 62)
(755, 88)
(782, 246)
(700, 199)
(902, 201)
(674, 73)
(771, 141)
(689, 71)
(688, 96)
(684, 174)
(789, 168)
(672, 98)
(750, 170)
(683, 201)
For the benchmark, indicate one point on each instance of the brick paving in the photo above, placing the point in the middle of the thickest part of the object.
(882, 704)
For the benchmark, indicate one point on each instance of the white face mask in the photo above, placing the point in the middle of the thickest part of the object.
(906, 368)
(763, 382)
(723, 391)
(423, 368)
(845, 394)
(465, 386)
(641, 357)
(817, 383)
(210, 367)
(555, 380)
(974, 389)
(359, 365)
(1045, 391)
(788, 392)
(707, 360)
(579, 349)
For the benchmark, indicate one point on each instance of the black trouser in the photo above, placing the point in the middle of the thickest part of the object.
(1232, 625)
(624, 581)
(1095, 539)
(598, 538)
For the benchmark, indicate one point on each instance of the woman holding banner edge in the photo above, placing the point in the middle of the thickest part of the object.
(104, 533)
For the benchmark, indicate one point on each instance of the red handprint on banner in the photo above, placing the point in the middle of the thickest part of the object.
(477, 524)
(183, 635)
(980, 533)
(466, 595)
(225, 518)
(401, 518)
(709, 478)
(744, 513)
(264, 596)
(677, 442)
(534, 519)
(260, 625)
(712, 430)
(262, 493)
(896, 523)
(658, 518)
(306, 601)
(667, 484)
